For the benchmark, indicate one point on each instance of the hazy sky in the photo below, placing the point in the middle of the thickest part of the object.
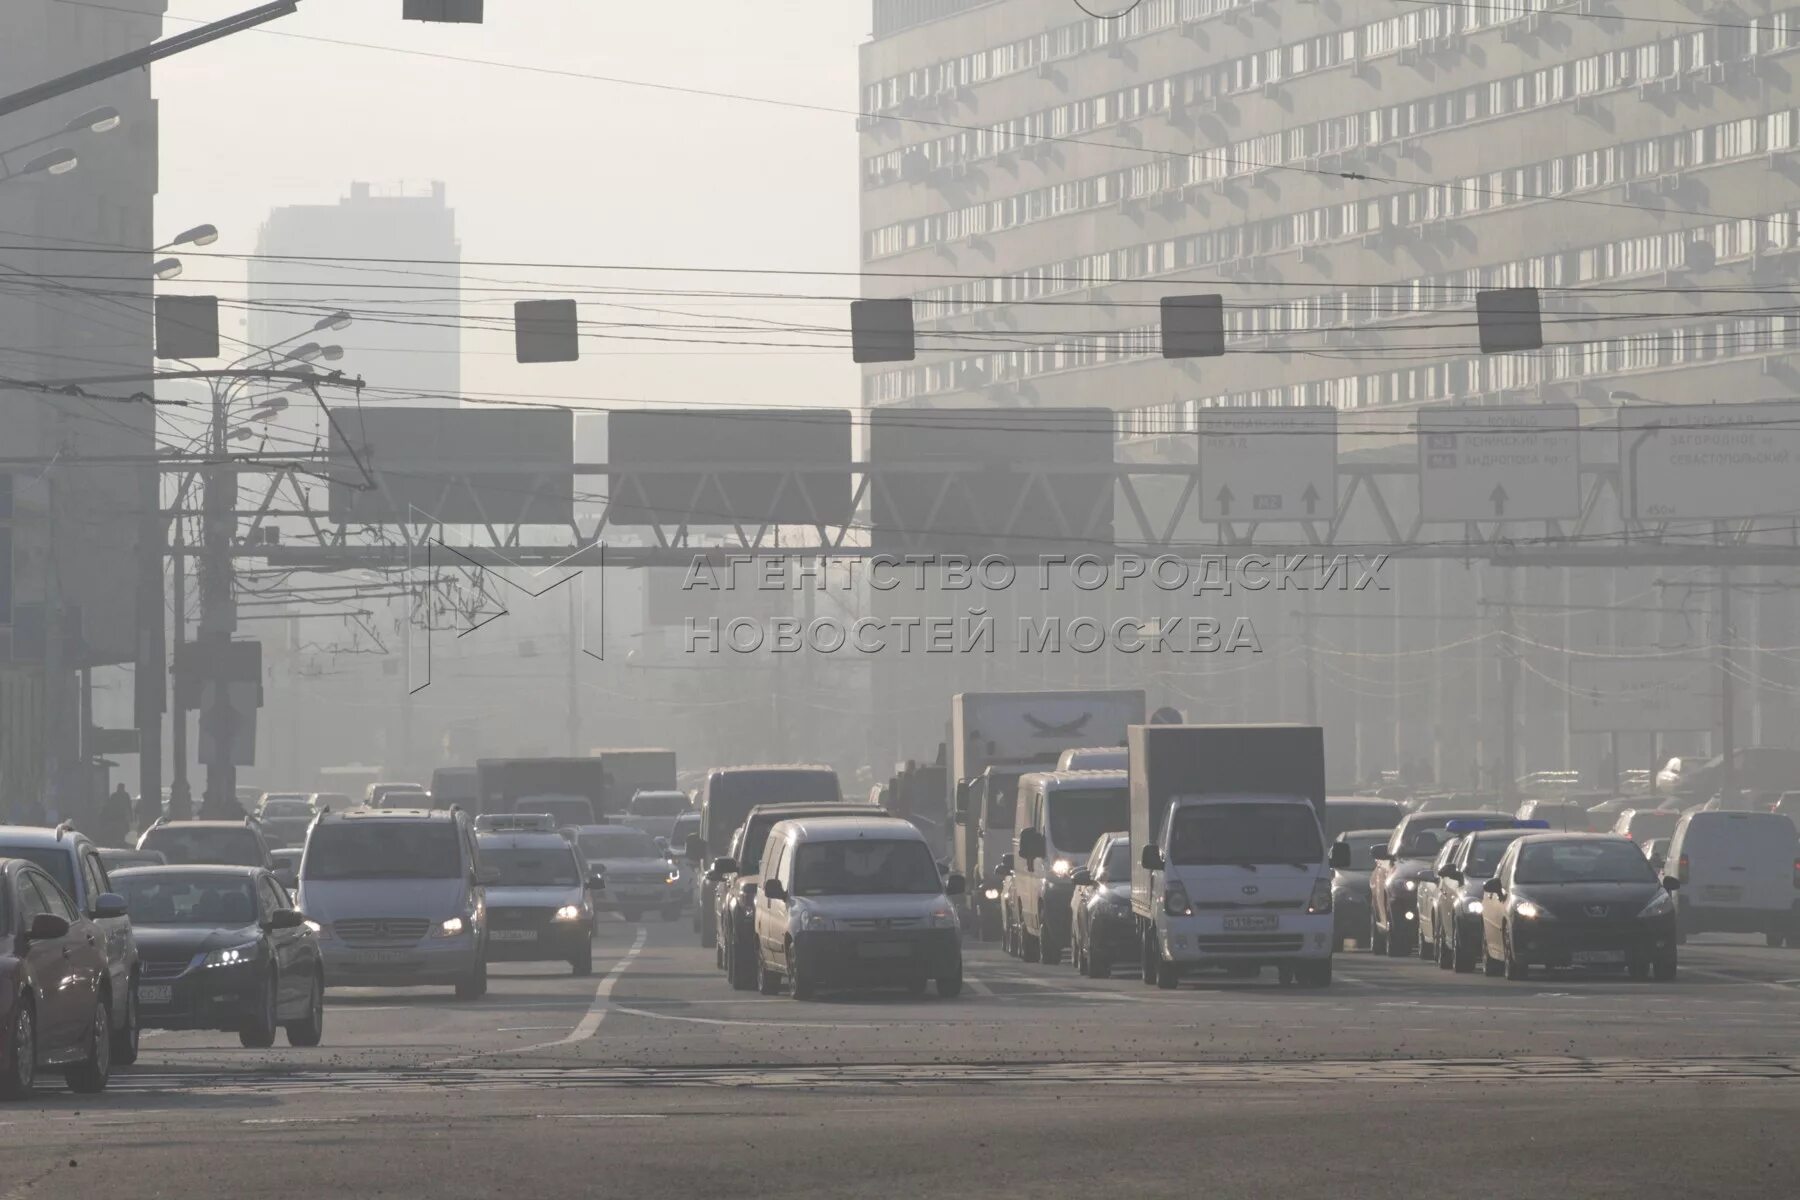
(543, 168)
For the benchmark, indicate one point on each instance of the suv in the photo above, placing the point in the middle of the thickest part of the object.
(222, 843)
(400, 898)
(74, 862)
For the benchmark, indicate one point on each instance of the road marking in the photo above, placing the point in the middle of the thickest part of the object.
(1728, 978)
(656, 1016)
(589, 1024)
(977, 987)
(298, 1121)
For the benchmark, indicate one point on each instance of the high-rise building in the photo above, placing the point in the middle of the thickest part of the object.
(1035, 178)
(77, 184)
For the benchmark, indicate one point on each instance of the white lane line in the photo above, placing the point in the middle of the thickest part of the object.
(656, 1016)
(1727, 978)
(589, 1024)
(977, 987)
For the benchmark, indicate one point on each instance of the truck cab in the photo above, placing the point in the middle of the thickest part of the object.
(1060, 815)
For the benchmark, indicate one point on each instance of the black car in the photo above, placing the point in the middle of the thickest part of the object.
(1577, 899)
(1350, 885)
(1399, 868)
(1455, 917)
(1102, 930)
(224, 948)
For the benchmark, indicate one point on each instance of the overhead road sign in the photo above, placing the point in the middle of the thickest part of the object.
(1643, 693)
(1193, 326)
(1268, 464)
(449, 465)
(1509, 320)
(1499, 464)
(1710, 461)
(721, 467)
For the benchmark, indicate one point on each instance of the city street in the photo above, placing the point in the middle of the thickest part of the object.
(656, 1074)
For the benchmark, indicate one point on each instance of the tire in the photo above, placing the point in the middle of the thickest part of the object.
(311, 1030)
(1049, 953)
(125, 1041)
(767, 981)
(18, 1082)
(949, 987)
(1514, 969)
(740, 968)
(1427, 950)
(1377, 936)
(92, 1074)
(1029, 947)
(475, 986)
(1664, 969)
(1462, 960)
(800, 983)
(1361, 941)
(1149, 955)
(1168, 976)
(1397, 945)
(258, 1033)
(583, 962)
(1313, 974)
(1638, 969)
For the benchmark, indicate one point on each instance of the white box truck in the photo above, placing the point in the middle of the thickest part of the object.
(1231, 867)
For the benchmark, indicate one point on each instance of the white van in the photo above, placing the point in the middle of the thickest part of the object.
(855, 902)
(1061, 814)
(1738, 874)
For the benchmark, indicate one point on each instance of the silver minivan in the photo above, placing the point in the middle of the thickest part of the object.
(855, 902)
(399, 896)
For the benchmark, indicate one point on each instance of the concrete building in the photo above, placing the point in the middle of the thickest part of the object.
(77, 184)
(1035, 179)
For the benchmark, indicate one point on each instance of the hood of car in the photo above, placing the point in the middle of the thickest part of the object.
(532, 897)
(181, 941)
(632, 866)
(336, 899)
(1574, 899)
(852, 908)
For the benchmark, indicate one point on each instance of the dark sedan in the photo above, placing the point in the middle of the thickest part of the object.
(55, 998)
(1102, 928)
(1350, 885)
(1455, 916)
(224, 948)
(1577, 899)
(1399, 868)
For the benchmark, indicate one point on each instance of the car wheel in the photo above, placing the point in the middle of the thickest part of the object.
(1397, 945)
(1313, 974)
(1427, 949)
(767, 981)
(1098, 967)
(583, 962)
(258, 1030)
(475, 985)
(800, 981)
(92, 1073)
(22, 1077)
(740, 968)
(949, 987)
(1377, 936)
(1028, 947)
(1050, 953)
(1490, 966)
(1168, 975)
(1462, 957)
(1664, 969)
(125, 1041)
(311, 1030)
(1515, 968)
(631, 916)
(1446, 953)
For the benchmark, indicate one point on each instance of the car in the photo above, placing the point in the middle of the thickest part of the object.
(402, 798)
(284, 817)
(117, 858)
(75, 863)
(639, 878)
(685, 826)
(56, 997)
(655, 811)
(1738, 872)
(855, 902)
(726, 797)
(1577, 899)
(1456, 896)
(225, 948)
(375, 792)
(1426, 894)
(1058, 815)
(400, 898)
(1566, 816)
(224, 843)
(739, 873)
(1343, 813)
(1393, 917)
(540, 907)
(1350, 884)
(1644, 824)
(1102, 928)
(331, 801)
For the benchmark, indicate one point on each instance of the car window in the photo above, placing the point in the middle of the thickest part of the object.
(274, 897)
(55, 861)
(54, 899)
(1117, 865)
(94, 872)
(31, 901)
(1448, 854)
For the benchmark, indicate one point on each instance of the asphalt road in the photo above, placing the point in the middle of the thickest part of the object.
(653, 1078)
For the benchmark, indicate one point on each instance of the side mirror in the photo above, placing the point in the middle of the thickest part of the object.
(1340, 856)
(1671, 883)
(487, 876)
(1151, 859)
(1380, 853)
(108, 905)
(1081, 877)
(696, 848)
(1492, 888)
(596, 882)
(1031, 845)
(47, 927)
(1451, 873)
(723, 867)
(955, 885)
(774, 890)
(286, 918)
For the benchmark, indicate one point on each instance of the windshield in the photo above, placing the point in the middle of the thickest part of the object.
(1117, 867)
(59, 863)
(1078, 819)
(1485, 854)
(1243, 834)
(198, 899)
(548, 867)
(384, 850)
(1581, 862)
(1001, 809)
(1341, 818)
(865, 867)
(1363, 843)
(658, 804)
(622, 843)
(236, 847)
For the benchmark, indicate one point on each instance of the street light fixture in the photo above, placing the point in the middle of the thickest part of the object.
(96, 120)
(59, 161)
(305, 353)
(336, 321)
(332, 353)
(166, 269)
(199, 235)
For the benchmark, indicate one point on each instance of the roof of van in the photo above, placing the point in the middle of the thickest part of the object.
(848, 829)
(389, 814)
(1055, 780)
(771, 767)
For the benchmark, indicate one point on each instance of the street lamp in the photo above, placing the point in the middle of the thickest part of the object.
(59, 161)
(199, 235)
(336, 321)
(96, 120)
(166, 269)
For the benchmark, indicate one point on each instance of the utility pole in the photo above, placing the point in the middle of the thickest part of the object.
(573, 705)
(178, 729)
(1728, 797)
(1509, 696)
(218, 607)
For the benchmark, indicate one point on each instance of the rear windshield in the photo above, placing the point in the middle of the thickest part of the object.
(731, 795)
(1079, 818)
(622, 843)
(1581, 862)
(59, 863)
(384, 850)
(1363, 843)
(198, 899)
(533, 868)
(658, 804)
(567, 810)
(1117, 866)
(1717, 828)
(227, 847)
(1244, 834)
(865, 867)
(1342, 818)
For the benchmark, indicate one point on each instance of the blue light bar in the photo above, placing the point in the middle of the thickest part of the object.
(1476, 825)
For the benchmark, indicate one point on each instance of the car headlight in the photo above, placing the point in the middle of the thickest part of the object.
(992, 893)
(1662, 906)
(943, 917)
(1061, 867)
(1411, 885)
(1530, 911)
(569, 912)
(318, 927)
(232, 956)
(1472, 907)
(674, 875)
(450, 927)
(814, 922)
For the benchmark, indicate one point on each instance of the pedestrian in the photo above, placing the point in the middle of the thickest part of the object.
(181, 801)
(114, 823)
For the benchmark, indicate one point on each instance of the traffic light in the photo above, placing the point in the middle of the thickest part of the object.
(882, 331)
(545, 331)
(444, 12)
(1509, 320)
(187, 327)
(1193, 326)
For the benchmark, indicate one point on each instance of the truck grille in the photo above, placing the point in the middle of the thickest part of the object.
(388, 931)
(1249, 943)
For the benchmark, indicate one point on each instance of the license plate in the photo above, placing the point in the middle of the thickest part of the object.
(513, 935)
(156, 993)
(883, 950)
(1252, 924)
(377, 956)
(1721, 892)
(1591, 957)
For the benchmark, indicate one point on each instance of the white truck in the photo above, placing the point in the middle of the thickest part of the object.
(1231, 868)
(997, 737)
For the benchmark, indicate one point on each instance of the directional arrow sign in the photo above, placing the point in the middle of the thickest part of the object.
(1491, 464)
(1710, 461)
(1268, 464)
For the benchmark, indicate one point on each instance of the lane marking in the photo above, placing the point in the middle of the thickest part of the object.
(589, 1024)
(656, 1016)
(1728, 978)
(977, 987)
